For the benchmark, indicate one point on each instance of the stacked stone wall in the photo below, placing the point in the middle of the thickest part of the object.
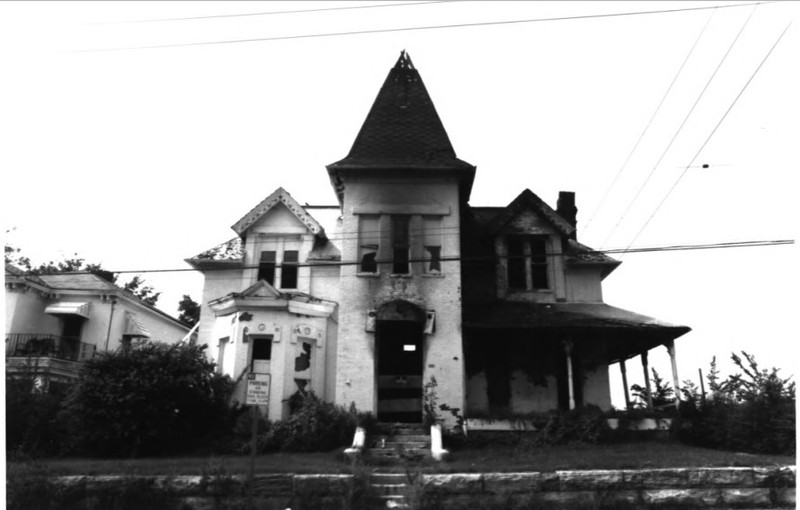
(688, 488)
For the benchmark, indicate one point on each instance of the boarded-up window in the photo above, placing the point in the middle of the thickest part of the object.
(400, 244)
(368, 242)
(266, 267)
(432, 241)
(289, 269)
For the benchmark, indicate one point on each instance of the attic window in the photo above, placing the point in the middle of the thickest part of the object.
(266, 267)
(289, 270)
(527, 262)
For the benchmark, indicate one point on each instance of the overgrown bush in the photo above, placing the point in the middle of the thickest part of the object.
(33, 427)
(312, 426)
(149, 399)
(585, 424)
(752, 411)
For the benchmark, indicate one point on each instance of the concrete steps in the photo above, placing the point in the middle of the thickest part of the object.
(390, 489)
(407, 441)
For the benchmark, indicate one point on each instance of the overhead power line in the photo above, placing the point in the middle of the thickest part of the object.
(649, 122)
(274, 13)
(334, 263)
(430, 27)
(688, 166)
(680, 128)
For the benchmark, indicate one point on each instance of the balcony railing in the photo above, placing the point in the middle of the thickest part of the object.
(48, 346)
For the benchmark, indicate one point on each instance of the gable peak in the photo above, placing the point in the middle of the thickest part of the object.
(279, 196)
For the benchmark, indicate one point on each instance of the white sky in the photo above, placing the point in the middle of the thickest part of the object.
(141, 158)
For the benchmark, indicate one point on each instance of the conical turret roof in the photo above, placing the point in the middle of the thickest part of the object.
(402, 129)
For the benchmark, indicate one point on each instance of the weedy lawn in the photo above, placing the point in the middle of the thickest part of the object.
(490, 458)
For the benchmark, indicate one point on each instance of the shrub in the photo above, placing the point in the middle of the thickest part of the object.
(312, 426)
(151, 398)
(32, 424)
(753, 411)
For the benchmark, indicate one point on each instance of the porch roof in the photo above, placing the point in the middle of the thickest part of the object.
(628, 333)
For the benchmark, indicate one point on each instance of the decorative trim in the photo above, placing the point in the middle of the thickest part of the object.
(424, 210)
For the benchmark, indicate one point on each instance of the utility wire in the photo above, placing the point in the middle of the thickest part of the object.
(431, 27)
(334, 263)
(678, 180)
(272, 13)
(649, 122)
(680, 128)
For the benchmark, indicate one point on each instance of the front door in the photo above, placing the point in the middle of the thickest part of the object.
(399, 345)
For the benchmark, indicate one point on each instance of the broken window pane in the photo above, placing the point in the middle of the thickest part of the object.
(432, 240)
(434, 254)
(368, 241)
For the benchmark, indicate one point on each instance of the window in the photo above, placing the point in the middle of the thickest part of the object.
(221, 353)
(262, 354)
(289, 270)
(527, 263)
(516, 263)
(368, 242)
(400, 244)
(262, 348)
(539, 263)
(266, 267)
(303, 364)
(432, 240)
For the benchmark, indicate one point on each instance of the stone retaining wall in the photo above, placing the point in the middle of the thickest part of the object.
(657, 488)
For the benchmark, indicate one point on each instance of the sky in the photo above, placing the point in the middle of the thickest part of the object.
(136, 133)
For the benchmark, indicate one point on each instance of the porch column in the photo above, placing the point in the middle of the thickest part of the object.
(625, 383)
(671, 350)
(570, 384)
(646, 368)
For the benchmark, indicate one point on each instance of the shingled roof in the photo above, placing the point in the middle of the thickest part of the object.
(402, 130)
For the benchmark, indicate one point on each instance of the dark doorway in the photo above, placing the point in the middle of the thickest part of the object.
(399, 352)
(71, 333)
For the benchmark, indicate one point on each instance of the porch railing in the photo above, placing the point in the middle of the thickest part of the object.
(48, 346)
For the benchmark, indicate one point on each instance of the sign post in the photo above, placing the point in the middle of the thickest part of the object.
(258, 386)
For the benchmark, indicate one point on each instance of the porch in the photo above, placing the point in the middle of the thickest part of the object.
(535, 357)
(46, 354)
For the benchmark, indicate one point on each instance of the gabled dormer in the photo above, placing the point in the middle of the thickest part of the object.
(278, 235)
(528, 236)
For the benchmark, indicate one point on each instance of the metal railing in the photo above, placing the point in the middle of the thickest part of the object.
(48, 346)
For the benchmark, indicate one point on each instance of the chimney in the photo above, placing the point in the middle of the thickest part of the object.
(565, 207)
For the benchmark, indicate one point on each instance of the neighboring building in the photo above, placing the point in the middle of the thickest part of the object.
(501, 305)
(56, 321)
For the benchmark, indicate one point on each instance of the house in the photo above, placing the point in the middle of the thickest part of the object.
(56, 321)
(502, 306)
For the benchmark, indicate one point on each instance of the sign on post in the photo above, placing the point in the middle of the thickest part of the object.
(257, 389)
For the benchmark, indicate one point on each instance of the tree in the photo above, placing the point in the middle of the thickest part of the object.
(189, 311)
(144, 292)
(150, 399)
(661, 392)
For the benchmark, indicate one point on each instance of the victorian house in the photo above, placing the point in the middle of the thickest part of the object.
(502, 306)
